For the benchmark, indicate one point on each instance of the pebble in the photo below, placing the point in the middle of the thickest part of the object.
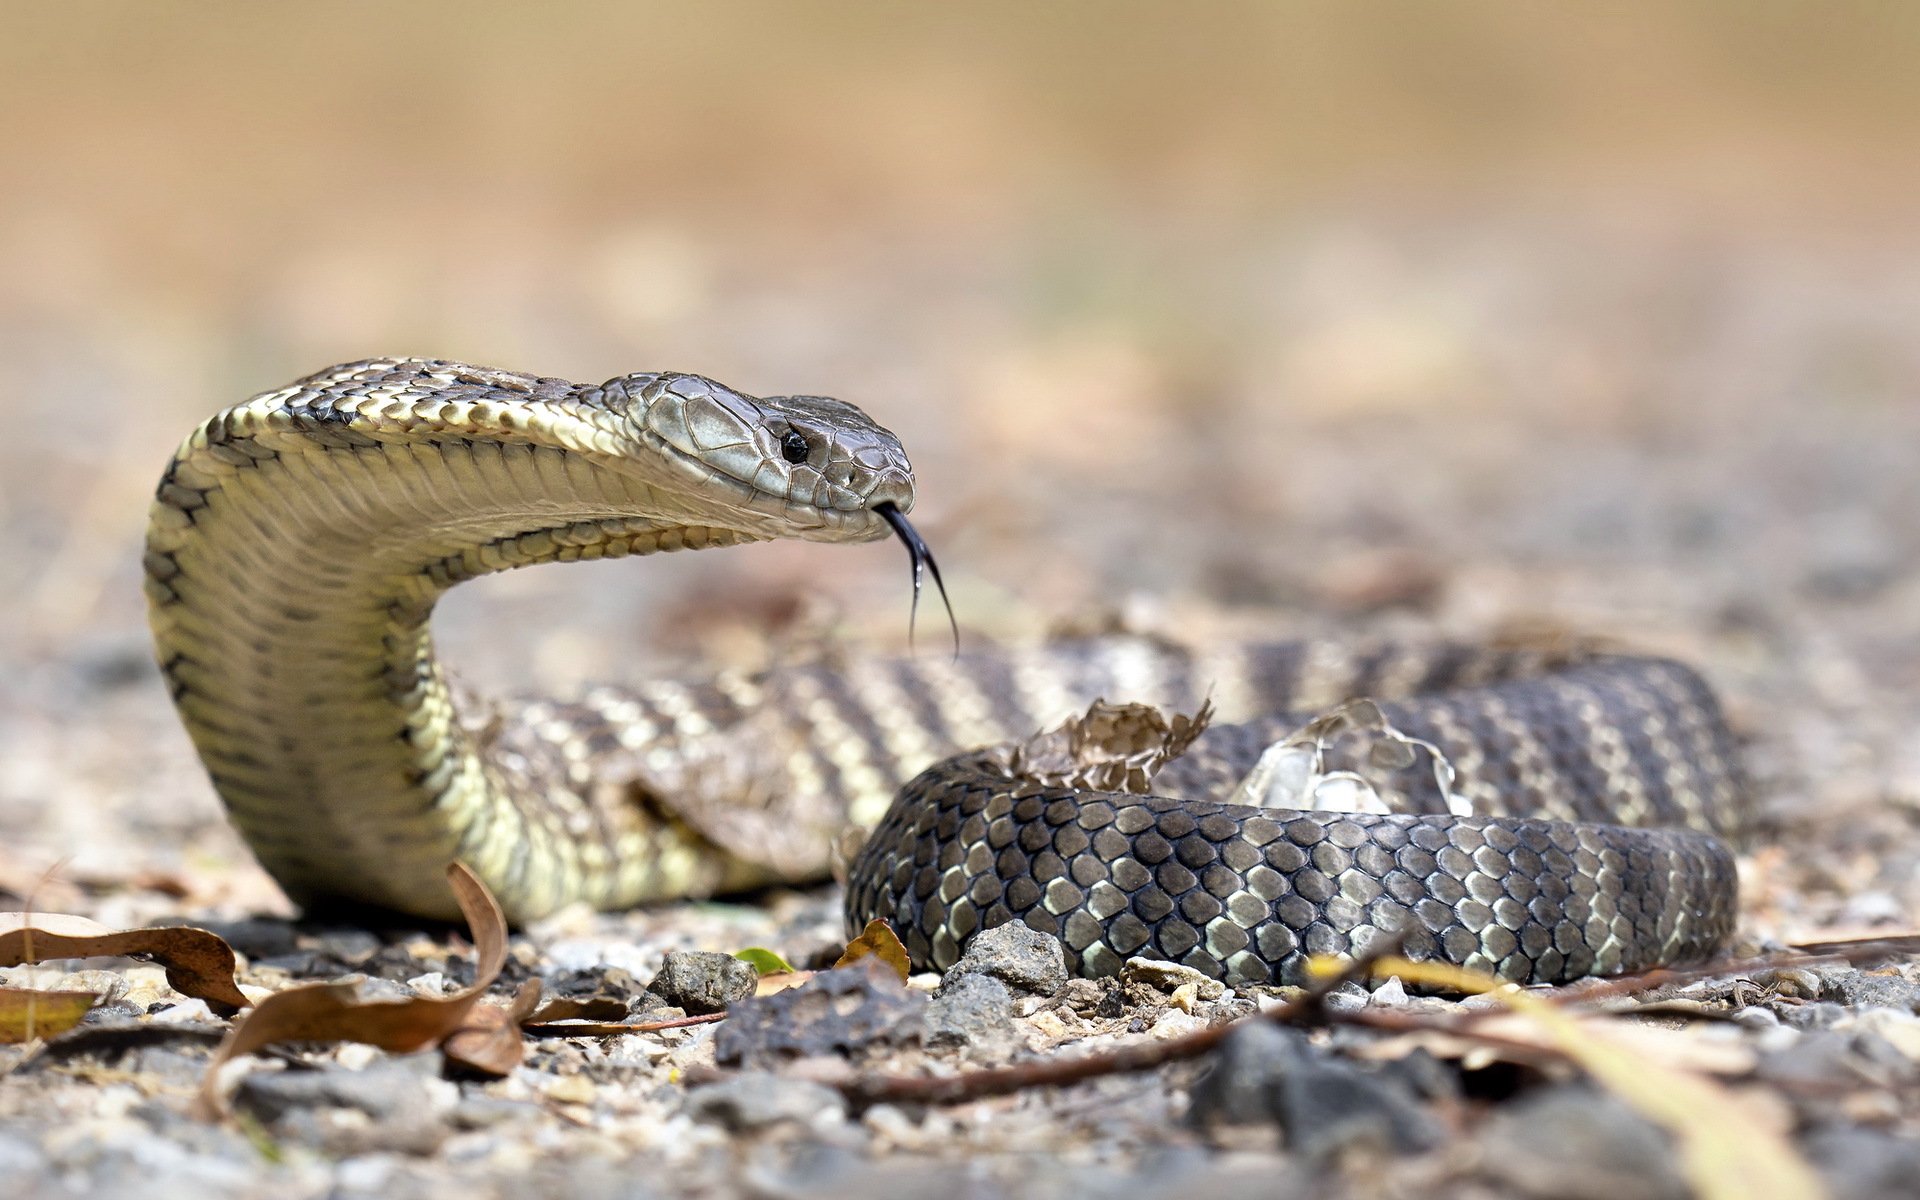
(1027, 961)
(755, 1100)
(1168, 978)
(974, 1011)
(848, 1010)
(383, 1090)
(1573, 1143)
(1864, 1164)
(1870, 988)
(704, 981)
(1324, 1107)
(1832, 1059)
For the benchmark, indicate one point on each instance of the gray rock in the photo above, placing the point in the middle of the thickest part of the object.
(1829, 1059)
(848, 1010)
(1864, 1164)
(1810, 1016)
(971, 1010)
(1167, 978)
(1863, 989)
(703, 981)
(1573, 1143)
(1023, 958)
(1324, 1107)
(382, 1090)
(755, 1100)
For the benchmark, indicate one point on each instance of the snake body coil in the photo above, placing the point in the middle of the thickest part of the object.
(298, 542)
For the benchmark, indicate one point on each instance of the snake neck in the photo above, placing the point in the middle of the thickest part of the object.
(292, 571)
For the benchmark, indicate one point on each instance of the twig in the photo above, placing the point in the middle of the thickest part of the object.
(1813, 955)
(1057, 1072)
(550, 1029)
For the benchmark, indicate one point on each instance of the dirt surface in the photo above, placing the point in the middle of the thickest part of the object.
(1359, 353)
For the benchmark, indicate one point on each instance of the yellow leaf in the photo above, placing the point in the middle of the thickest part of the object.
(27, 1015)
(878, 940)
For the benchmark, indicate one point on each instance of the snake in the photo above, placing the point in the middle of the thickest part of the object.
(297, 545)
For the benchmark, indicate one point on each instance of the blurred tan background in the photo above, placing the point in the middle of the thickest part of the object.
(1455, 316)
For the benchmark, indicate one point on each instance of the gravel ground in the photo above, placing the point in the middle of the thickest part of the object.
(1662, 402)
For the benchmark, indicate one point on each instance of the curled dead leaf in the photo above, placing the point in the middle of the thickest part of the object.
(334, 1012)
(592, 1008)
(490, 1042)
(198, 963)
(878, 940)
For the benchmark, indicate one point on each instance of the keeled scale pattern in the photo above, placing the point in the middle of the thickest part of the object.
(1247, 894)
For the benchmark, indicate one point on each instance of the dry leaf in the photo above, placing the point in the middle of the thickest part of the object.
(1726, 1152)
(27, 1015)
(878, 940)
(334, 1012)
(593, 1008)
(490, 1042)
(198, 963)
(780, 982)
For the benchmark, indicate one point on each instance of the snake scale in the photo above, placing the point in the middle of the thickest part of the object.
(298, 543)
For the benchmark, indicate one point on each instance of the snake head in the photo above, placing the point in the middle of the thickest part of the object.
(818, 467)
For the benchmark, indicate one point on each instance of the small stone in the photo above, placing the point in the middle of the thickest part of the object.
(572, 1089)
(849, 1010)
(1168, 978)
(1174, 1022)
(1810, 1016)
(971, 1010)
(1391, 994)
(1085, 995)
(1861, 989)
(384, 1090)
(594, 981)
(1835, 1060)
(755, 1100)
(1021, 957)
(1573, 1143)
(703, 981)
(1325, 1108)
(110, 986)
(1864, 1164)
(433, 984)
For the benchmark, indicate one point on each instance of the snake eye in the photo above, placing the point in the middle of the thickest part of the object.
(794, 447)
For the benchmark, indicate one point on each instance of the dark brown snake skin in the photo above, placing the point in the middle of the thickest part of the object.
(1248, 894)
(299, 541)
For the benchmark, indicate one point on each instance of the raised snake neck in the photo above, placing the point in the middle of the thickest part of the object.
(299, 541)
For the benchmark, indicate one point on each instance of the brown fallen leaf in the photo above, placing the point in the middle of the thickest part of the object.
(27, 1015)
(780, 982)
(334, 1012)
(198, 963)
(490, 1042)
(592, 1008)
(879, 940)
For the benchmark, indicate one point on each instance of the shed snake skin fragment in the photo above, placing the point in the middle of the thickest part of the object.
(298, 543)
